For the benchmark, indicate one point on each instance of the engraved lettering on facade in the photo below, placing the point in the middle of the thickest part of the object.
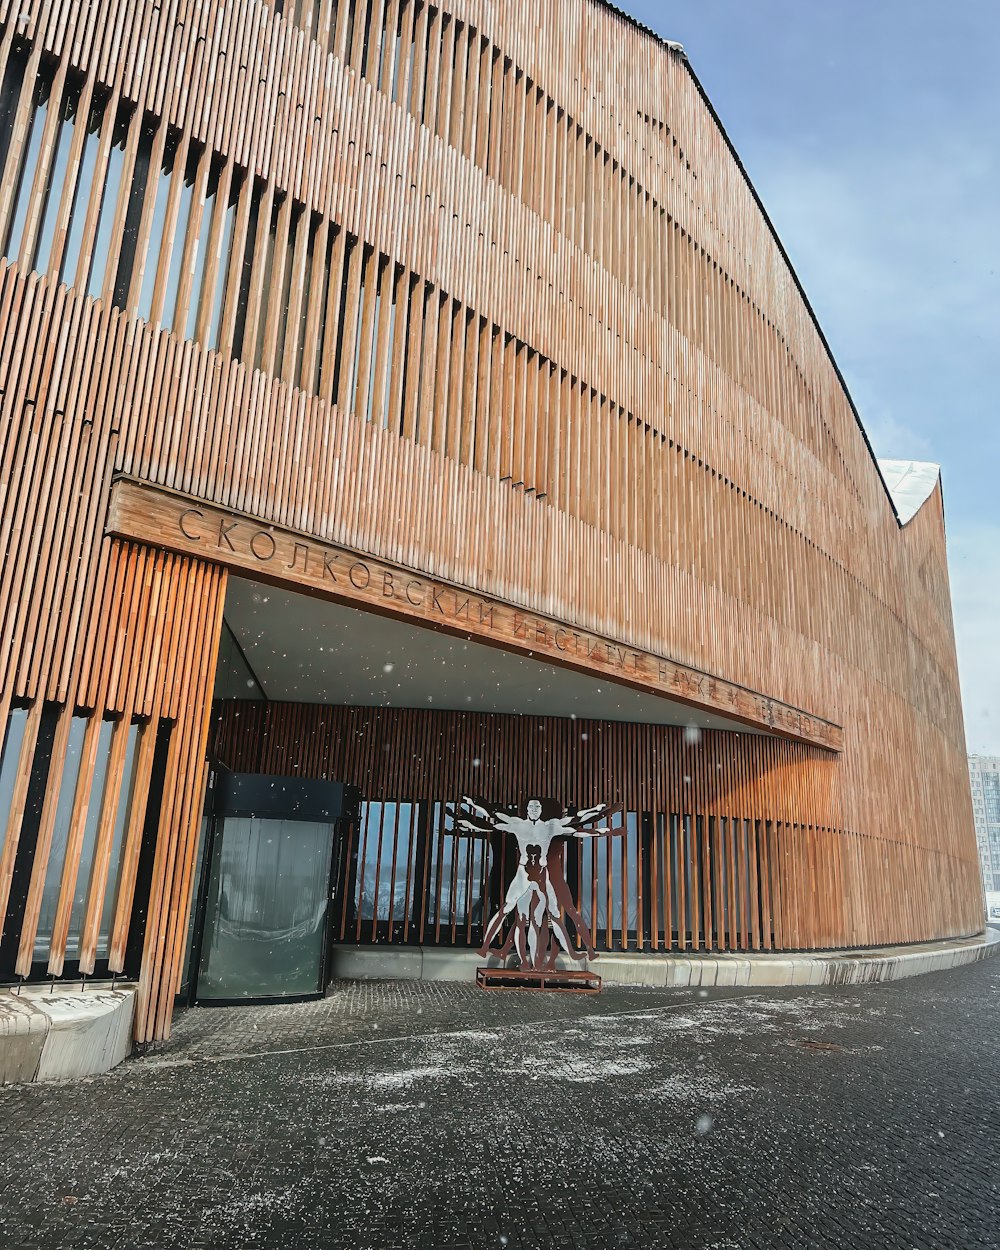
(296, 548)
(224, 531)
(299, 562)
(268, 544)
(195, 538)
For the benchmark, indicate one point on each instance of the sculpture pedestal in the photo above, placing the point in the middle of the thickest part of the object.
(571, 981)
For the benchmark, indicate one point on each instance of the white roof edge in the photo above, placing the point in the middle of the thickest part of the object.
(910, 484)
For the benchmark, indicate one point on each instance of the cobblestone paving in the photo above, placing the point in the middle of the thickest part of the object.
(437, 1117)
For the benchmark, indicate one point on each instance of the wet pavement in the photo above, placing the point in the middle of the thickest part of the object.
(438, 1117)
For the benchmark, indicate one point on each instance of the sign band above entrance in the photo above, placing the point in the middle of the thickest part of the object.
(181, 523)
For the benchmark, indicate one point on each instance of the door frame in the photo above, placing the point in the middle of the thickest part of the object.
(347, 811)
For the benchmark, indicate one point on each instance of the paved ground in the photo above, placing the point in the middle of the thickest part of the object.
(437, 1117)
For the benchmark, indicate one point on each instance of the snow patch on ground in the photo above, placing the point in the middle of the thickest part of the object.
(674, 1023)
(700, 1087)
(388, 1080)
(443, 1058)
(250, 1207)
(410, 1076)
(762, 1016)
(582, 1069)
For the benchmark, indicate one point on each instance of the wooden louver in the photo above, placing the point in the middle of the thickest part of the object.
(479, 291)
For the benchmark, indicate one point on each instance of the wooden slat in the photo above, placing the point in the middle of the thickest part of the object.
(604, 405)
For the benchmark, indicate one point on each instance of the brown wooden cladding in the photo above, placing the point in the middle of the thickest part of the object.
(151, 666)
(186, 525)
(506, 314)
(809, 883)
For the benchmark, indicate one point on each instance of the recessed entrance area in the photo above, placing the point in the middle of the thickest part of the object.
(400, 723)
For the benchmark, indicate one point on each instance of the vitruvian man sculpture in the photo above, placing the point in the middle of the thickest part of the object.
(538, 893)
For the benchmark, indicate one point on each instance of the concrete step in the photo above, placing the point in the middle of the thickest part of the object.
(430, 963)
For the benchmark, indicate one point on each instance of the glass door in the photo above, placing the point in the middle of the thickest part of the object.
(265, 919)
(267, 894)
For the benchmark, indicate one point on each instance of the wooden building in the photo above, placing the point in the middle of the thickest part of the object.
(460, 323)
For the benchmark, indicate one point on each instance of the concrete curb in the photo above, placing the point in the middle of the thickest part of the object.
(422, 963)
(57, 1034)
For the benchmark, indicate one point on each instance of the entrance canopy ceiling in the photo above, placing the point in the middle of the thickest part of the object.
(308, 650)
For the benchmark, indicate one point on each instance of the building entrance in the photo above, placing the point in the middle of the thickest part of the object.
(418, 721)
(269, 896)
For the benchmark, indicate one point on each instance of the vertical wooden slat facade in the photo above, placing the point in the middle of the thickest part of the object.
(477, 288)
(661, 775)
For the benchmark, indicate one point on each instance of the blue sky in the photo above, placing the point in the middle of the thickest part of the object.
(871, 130)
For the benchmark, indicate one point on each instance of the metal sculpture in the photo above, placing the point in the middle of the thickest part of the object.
(538, 894)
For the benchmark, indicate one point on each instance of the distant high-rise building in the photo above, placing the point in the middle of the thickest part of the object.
(984, 771)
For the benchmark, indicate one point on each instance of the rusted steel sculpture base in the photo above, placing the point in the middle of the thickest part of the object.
(566, 982)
